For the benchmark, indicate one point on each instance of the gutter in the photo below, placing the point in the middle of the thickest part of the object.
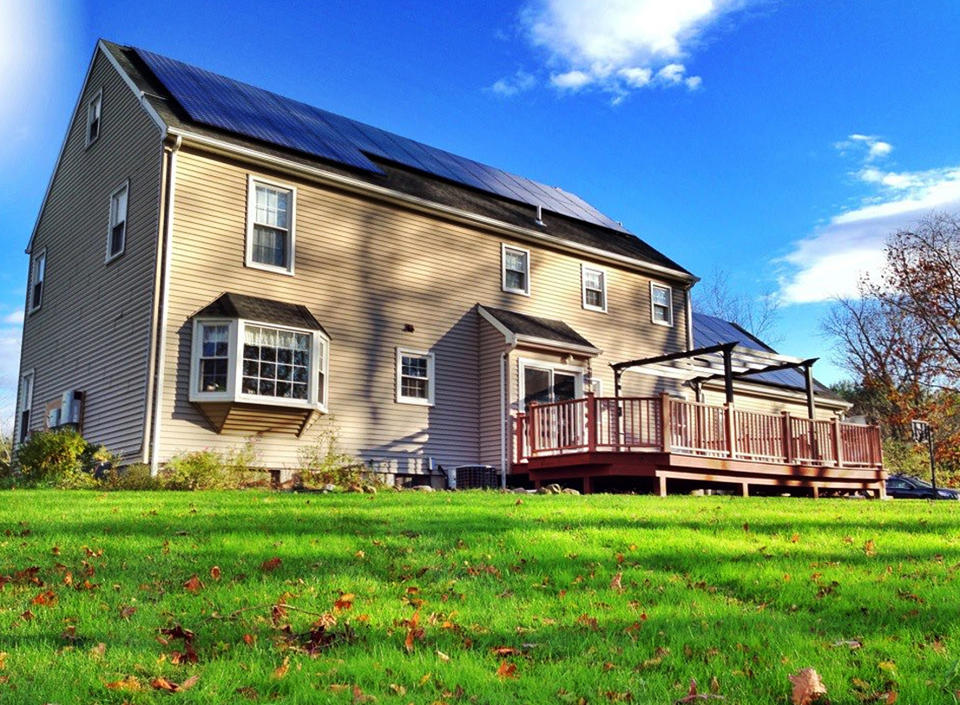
(164, 305)
(358, 186)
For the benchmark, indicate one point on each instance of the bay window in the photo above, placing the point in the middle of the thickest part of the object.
(258, 363)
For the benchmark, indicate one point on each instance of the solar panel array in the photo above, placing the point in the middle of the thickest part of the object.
(710, 330)
(236, 107)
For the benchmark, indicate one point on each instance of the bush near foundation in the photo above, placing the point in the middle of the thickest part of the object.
(58, 458)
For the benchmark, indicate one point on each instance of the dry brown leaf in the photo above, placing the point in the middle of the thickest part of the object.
(344, 602)
(97, 651)
(215, 572)
(870, 548)
(443, 657)
(3, 660)
(130, 684)
(127, 612)
(193, 584)
(271, 564)
(161, 683)
(249, 639)
(505, 650)
(507, 670)
(616, 582)
(281, 670)
(47, 598)
(807, 687)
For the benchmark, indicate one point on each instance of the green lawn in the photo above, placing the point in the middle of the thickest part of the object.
(737, 593)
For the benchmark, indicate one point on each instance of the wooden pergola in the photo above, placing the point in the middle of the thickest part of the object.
(726, 361)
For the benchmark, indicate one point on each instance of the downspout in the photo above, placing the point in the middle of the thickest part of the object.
(689, 307)
(504, 363)
(164, 304)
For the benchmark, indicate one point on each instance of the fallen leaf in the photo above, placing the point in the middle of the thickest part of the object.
(807, 687)
(398, 689)
(507, 670)
(215, 572)
(270, 565)
(281, 670)
(344, 602)
(193, 584)
(249, 639)
(48, 598)
(127, 612)
(795, 538)
(130, 684)
(870, 548)
(443, 657)
(505, 650)
(3, 660)
(616, 582)
(852, 644)
(98, 651)
(692, 694)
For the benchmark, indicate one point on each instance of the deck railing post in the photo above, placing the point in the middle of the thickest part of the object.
(731, 429)
(532, 418)
(591, 422)
(837, 441)
(666, 439)
(519, 434)
(787, 438)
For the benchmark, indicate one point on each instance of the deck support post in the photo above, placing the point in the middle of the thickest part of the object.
(661, 486)
(666, 440)
(816, 491)
(587, 484)
(745, 489)
(837, 441)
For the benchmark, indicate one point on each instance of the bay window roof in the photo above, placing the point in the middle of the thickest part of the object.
(254, 308)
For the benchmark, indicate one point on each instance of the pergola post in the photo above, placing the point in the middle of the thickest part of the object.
(728, 374)
(808, 378)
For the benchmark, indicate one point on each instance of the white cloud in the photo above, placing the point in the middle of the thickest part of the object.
(15, 317)
(519, 82)
(572, 80)
(875, 148)
(836, 256)
(617, 45)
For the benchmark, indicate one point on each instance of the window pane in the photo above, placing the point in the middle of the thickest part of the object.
(269, 246)
(564, 386)
(516, 280)
(273, 365)
(661, 296)
(516, 260)
(594, 298)
(536, 386)
(272, 206)
(661, 313)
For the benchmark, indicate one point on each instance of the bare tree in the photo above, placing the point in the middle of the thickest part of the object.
(757, 315)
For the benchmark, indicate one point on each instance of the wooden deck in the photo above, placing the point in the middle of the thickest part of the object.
(668, 439)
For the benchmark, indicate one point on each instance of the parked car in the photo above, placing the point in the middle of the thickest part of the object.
(910, 487)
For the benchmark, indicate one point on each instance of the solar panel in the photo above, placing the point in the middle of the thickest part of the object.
(246, 110)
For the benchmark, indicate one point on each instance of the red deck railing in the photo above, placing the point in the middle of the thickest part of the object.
(669, 425)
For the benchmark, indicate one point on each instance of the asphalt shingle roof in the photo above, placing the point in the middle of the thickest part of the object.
(535, 327)
(253, 308)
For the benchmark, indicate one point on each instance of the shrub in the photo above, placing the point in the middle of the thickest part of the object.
(323, 463)
(59, 458)
(210, 470)
(131, 477)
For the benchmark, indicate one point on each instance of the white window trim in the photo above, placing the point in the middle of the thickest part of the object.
(98, 96)
(584, 268)
(503, 269)
(235, 368)
(653, 318)
(431, 377)
(108, 258)
(252, 181)
(524, 362)
(42, 254)
(24, 403)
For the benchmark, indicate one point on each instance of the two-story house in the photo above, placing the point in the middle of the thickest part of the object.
(213, 261)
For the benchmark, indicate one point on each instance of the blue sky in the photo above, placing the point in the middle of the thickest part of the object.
(778, 141)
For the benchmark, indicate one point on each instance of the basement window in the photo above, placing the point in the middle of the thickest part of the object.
(260, 363)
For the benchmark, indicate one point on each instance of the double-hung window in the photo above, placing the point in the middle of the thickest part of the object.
(117, 231)
(260, 363)
(93, 118)
(270, 226)
(26, 401)
(38, 267)
(415, 377)
(661, 304)
(594, 284)
(516, 269)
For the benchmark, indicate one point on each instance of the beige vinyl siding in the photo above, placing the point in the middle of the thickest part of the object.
(366, 269)
(492, 393)
(773, 404)
(92, 331)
